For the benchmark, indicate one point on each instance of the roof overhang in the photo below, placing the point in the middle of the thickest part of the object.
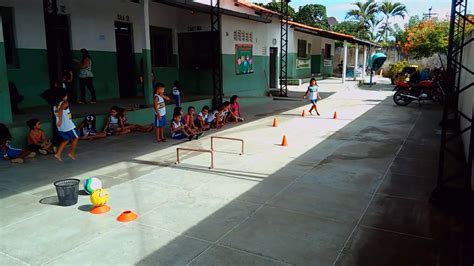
(203, 8)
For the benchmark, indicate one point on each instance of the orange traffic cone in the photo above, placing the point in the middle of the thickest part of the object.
(335, 116)
(275, 122)
(100, 209)
(127, 216)
(283, 141)
(302, 113)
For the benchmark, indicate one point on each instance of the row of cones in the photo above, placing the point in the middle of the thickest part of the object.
(333, 117)
(125, 216)
(275, 121)
(284, 142)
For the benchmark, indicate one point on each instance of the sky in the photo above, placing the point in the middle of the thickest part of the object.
(339, 8)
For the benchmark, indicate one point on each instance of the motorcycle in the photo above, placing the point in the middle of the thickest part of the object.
(407, 92)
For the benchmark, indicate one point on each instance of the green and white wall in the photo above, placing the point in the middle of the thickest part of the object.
(92, 27)
(265, 35)
(316, 57)
(5, 113)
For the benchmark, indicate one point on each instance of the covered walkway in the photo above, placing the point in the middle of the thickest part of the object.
(350, 191)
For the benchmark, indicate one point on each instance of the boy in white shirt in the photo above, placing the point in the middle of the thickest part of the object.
(160, 112)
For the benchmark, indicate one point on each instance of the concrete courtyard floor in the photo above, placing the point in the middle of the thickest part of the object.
(350, 191)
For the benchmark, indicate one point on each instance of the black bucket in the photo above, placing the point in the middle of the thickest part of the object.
(68, 191)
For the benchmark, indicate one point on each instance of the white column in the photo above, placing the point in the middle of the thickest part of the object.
(356, 60)
(344, 63)
(365, 62)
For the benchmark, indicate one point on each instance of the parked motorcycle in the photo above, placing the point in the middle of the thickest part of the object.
(407, 92)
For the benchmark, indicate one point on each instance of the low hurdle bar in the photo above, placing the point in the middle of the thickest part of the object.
(196, 150)
(226, 138)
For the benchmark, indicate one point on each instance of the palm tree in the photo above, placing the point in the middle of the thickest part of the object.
(391, 10)
(365, 13)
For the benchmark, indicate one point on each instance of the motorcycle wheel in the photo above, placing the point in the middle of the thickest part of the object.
(401, 100)
(437, 98)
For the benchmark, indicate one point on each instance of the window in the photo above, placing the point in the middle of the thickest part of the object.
(195, 50)
(161, 47)
(302, 49)
(327, 51)
(8, 35)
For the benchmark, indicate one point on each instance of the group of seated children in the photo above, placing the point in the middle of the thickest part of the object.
(115, 124)
(189, 126)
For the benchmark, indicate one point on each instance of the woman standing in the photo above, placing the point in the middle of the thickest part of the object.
(86, 77)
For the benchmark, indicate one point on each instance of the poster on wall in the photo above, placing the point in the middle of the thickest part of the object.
(327, 62)
(303, 63)
(243, 59)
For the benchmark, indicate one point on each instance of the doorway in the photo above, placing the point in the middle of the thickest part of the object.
(273, 67)
(125, 61)
(58, 43)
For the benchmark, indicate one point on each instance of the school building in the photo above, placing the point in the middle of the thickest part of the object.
(129, 40)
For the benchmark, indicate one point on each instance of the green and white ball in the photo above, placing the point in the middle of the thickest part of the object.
(92, 184)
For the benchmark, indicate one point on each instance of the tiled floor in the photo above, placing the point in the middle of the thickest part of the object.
(351, 191)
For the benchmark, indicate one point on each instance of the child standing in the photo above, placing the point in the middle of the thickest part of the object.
(37, 140)
(10, 153)
(313, 91)
(88, 131)
(66, 128)
(177, 93)
(160, 111)
(178, 129)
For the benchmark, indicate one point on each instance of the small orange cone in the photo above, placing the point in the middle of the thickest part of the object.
(302, 113)
(275, 122)
(335, 116)
(100, 209)
(127, 216)
(283, 141)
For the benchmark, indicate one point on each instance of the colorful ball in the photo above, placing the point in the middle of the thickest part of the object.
(99, 197)
(92, 184)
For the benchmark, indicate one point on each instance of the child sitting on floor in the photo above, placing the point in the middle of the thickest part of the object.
(10, 153)
(133, 127)
(178, 130)
(114, 123)
(88, 131)
(201, 119)
(188, 121)
(215, 118)
(37, 140)
(234, 109)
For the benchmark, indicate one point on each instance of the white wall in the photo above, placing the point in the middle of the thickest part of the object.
(1, 30)
(317, 42)
(263, 35)
(29, 23)
(92, 23)
(466, 98)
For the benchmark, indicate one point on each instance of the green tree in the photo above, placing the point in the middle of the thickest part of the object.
(366, 15)
(275, 6)
(391, 10)
(313, 15)
(347, 27)
(424, 38)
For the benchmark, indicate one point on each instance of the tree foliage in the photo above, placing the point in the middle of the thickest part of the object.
(390, 10)
(347, 27)
(313, 15)
(365, 13)
(424, 38)
(276, 6)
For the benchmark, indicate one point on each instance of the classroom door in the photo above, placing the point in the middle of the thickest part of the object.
(58, 46)
(125, 62)
(273, 67)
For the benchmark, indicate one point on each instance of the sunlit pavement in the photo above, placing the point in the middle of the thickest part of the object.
(351, 190)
